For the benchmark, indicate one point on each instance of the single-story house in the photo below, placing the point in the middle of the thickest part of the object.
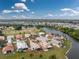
(49, 36)
(21, 45)
(9, 38)
(8, 48)
(44, 45)
(41, 38)
(34, 46)
(55, 42)
(41, 33)
(27, 35)
(18, 37)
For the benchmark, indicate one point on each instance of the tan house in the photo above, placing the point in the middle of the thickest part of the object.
(8, 48)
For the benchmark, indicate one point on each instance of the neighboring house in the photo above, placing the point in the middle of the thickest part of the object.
(41, 33)
(49, 36)
(55, 42)
(34, 46)
(62, 37)
(8, 49)
(27, 35)
(21, 45)
(41, 38)
(43, 42)
(18, 37)
(9, 38)
(44, 45)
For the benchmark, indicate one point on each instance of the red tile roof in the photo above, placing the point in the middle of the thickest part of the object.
(19, 36)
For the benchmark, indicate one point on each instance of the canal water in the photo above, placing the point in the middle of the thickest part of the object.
(74, 51)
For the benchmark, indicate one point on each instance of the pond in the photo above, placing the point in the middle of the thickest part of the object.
(74, 51)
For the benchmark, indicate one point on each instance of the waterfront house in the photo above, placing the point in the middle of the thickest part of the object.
(55, 42)
(49, 36)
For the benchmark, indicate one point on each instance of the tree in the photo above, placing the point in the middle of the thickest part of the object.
(1, 33)
(31, 55)
(22, 58)
(2, 43)
(40, 55)
(18, 27)
(52, 57)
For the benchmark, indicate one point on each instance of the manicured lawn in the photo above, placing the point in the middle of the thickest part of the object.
(58, 52)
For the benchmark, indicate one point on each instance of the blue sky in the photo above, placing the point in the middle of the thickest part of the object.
(46, 9)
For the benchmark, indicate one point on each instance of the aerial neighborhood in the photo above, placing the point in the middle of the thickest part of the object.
(28, 41)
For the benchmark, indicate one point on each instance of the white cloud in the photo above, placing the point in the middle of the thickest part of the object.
(69, 12)
(33, 12)
(50, 15)
(66, 14)
(32, 0)
(23, 0)
(19, 17)
(20, 6)
(6, 11)
(12, 7)
(66, 9)
(11, 11)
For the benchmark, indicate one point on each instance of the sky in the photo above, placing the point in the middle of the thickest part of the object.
(39, 9)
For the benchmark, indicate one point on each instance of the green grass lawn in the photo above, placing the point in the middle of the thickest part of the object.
(58, 52)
